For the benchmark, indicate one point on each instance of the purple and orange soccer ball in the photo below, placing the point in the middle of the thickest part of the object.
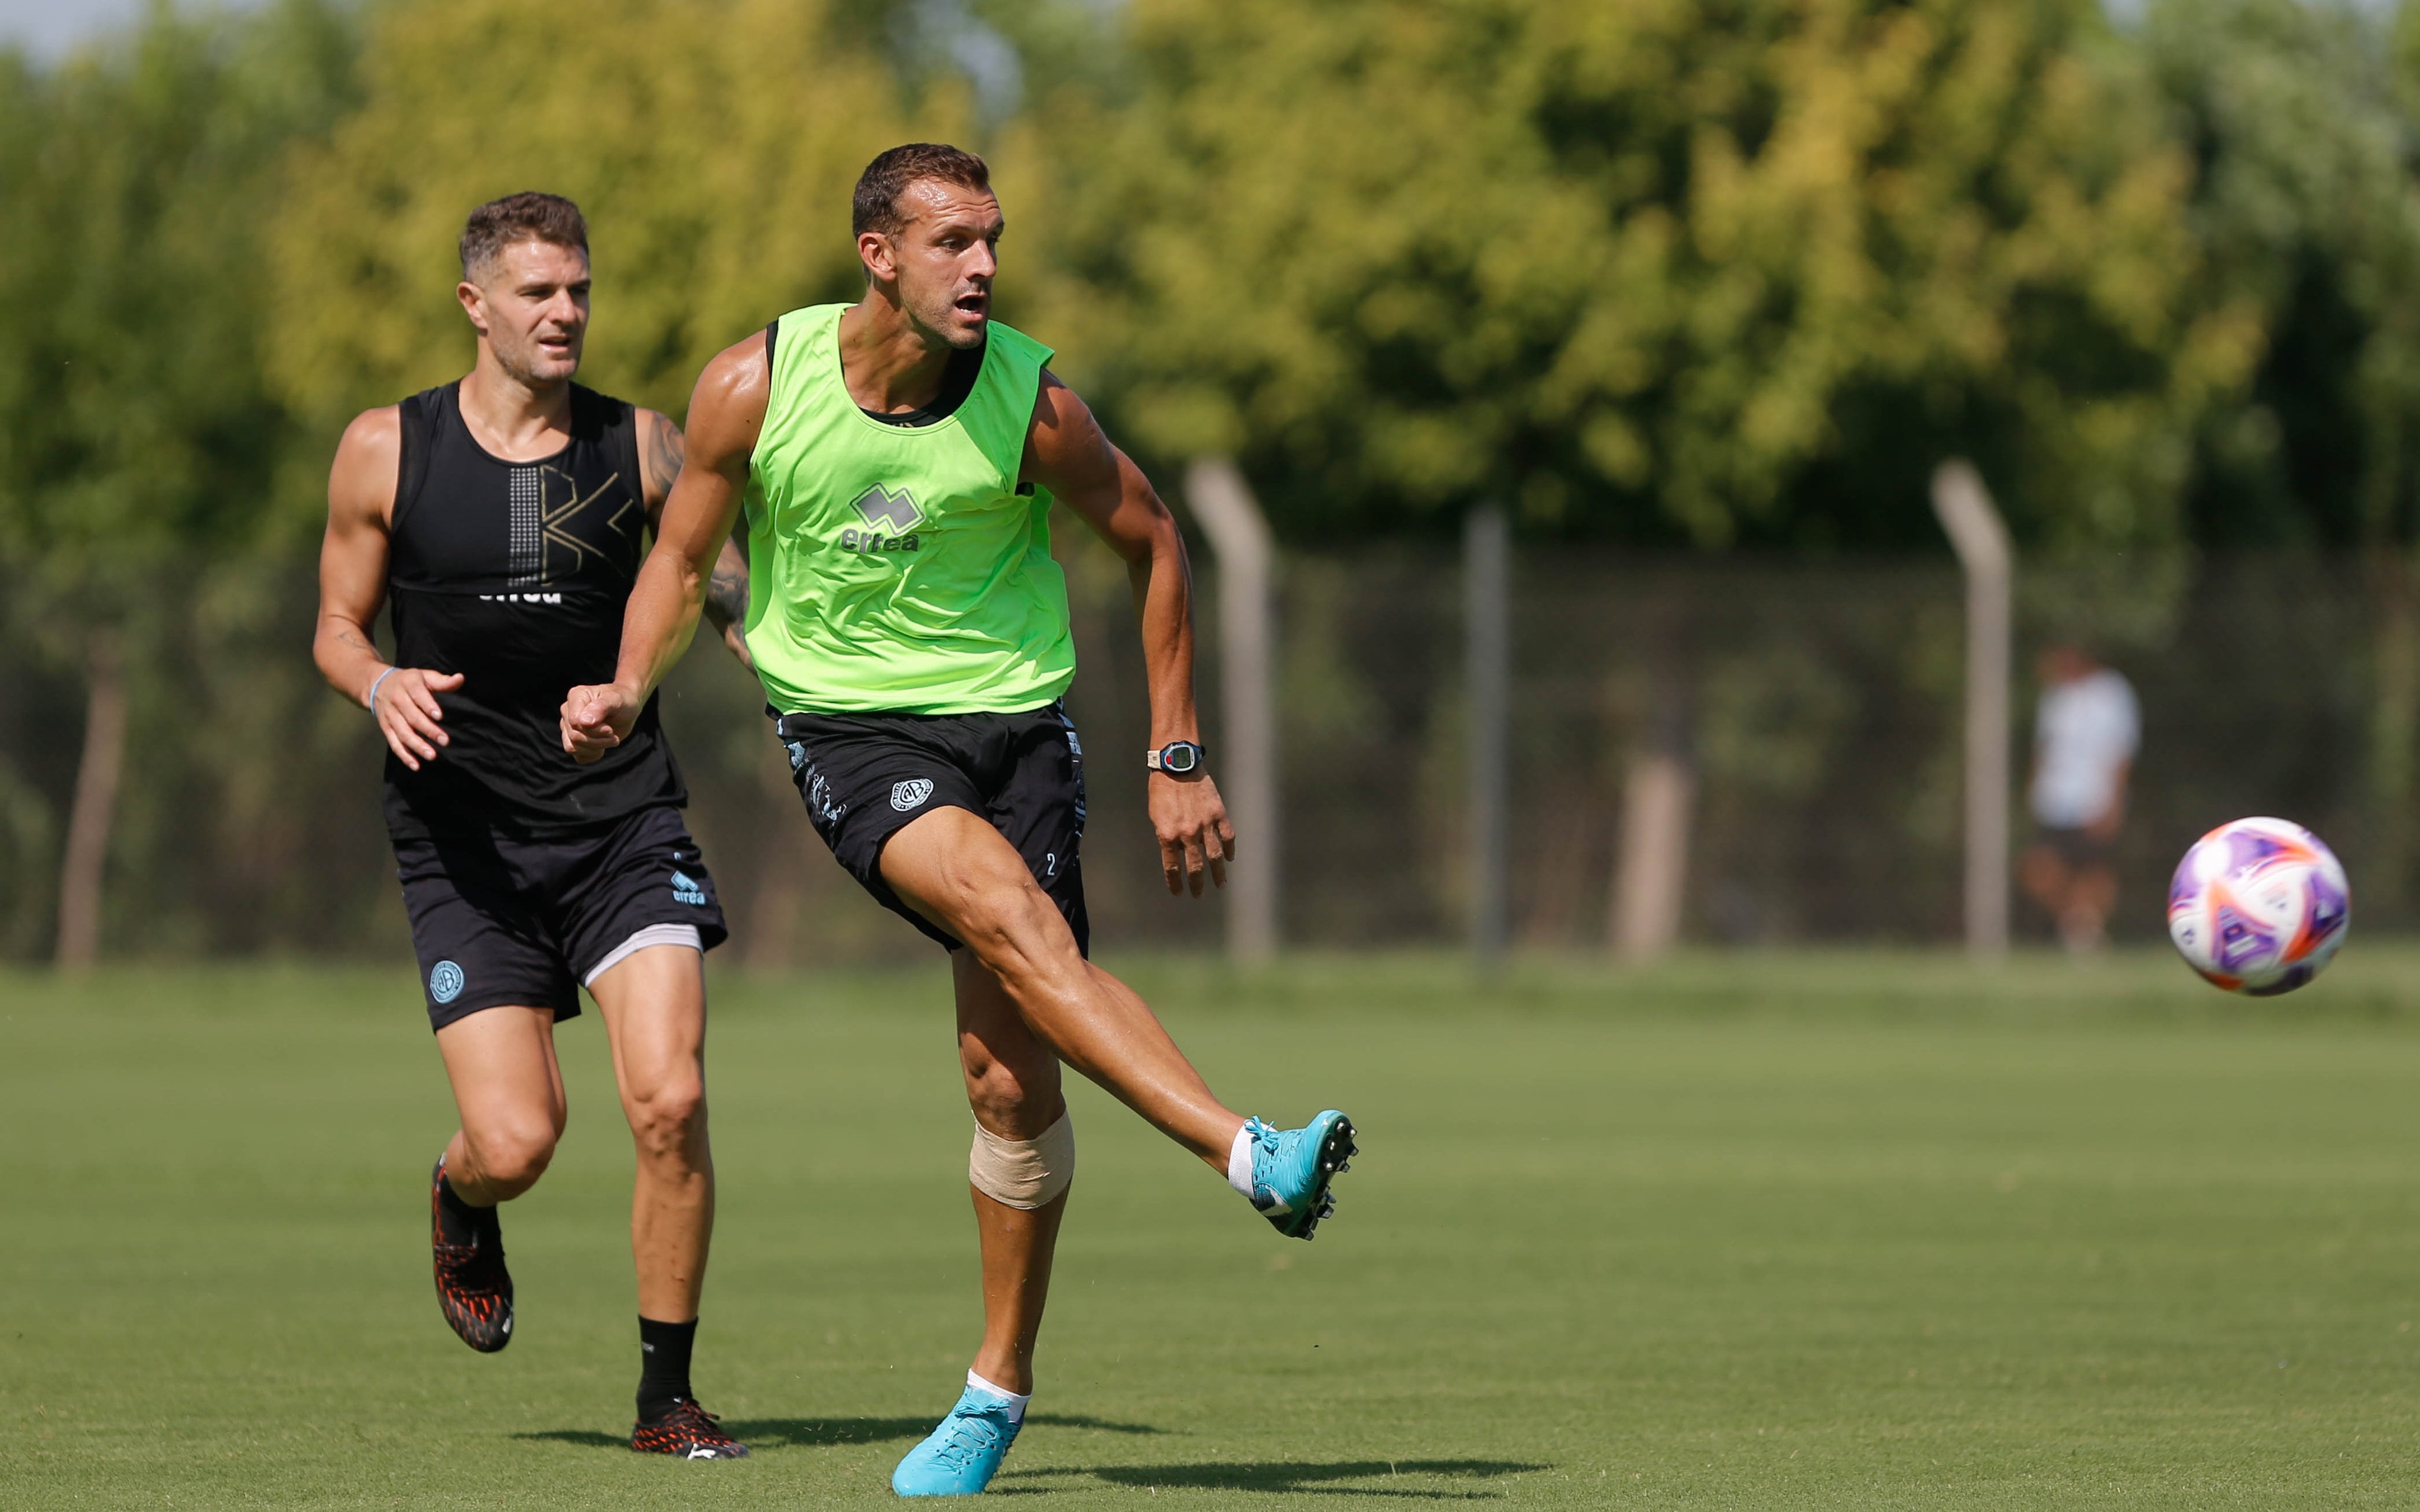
(2259, 907)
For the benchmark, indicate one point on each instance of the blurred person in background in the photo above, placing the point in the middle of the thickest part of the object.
(502, 517)
(2086, 729)
(898, 459)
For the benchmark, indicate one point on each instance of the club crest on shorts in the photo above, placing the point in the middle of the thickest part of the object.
(445, 982)
(910, 794)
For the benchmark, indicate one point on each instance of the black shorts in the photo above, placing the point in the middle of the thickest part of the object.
(2077, 849)
(505, 918)
(865, 776)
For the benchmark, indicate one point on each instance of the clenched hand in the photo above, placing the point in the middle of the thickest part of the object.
(597, 718)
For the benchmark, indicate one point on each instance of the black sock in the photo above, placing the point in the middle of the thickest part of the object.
(663, 1367)
(456, 1220)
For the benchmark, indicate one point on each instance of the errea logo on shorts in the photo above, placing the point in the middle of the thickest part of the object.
(445, 982)
(910, 794)
(686, 891)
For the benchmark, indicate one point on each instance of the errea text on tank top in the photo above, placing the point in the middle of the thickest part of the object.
(901, 568)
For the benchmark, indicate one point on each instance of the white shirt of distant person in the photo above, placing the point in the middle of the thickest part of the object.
(2088, 728)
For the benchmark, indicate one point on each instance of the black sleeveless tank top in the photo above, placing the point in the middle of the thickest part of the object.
(514, 574)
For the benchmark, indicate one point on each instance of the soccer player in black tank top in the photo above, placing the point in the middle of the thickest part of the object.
(503, 519)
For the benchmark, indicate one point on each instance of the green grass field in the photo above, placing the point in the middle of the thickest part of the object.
(1856, 1231)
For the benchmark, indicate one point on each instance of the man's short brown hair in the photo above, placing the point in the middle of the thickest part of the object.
(527, 216)
(876, 204)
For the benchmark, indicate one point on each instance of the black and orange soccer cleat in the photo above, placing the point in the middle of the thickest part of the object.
(687, 1432)
(474, 1289)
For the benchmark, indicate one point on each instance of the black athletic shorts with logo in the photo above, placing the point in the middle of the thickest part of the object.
(865, 776)
(505, 918)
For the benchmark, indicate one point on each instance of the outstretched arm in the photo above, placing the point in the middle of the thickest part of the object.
(1067, 453)
(662, 450)
(726, 414)
(352, 585)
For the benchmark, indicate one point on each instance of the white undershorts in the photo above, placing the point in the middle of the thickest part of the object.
(652, 935)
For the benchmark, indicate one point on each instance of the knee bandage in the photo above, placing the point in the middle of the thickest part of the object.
(1024, 1173)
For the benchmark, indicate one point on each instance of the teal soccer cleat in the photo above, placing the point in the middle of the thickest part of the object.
(963, 1454)
(1292, 1169)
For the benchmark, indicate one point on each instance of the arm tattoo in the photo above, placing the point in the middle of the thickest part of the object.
(663, 460)
(726, 595)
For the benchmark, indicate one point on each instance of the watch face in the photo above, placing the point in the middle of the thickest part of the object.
(1181, 758)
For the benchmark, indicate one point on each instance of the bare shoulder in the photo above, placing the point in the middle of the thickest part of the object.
(1057, 407)
(1064, 435)
(369, 459)
(727, 410)
(739, 370)
(374, 434)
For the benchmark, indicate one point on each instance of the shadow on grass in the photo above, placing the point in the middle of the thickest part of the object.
(586, 1438)
(791, 1432)
(1080, 1420)
(1301, 1477)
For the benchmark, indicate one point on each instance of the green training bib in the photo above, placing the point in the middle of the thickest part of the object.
(893, 568)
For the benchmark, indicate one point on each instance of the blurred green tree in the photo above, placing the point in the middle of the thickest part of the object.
(138, 441)
(711, 142)
(1672, 271)
(2305, 204)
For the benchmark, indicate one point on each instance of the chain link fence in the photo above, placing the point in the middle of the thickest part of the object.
(1814, 704)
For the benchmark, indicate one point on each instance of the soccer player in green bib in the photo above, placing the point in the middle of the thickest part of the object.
(898, 459)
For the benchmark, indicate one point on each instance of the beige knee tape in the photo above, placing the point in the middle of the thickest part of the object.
(1024, 1173)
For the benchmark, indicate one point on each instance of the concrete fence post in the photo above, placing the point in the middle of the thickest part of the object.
(1246, 768)
(1981, 542)
(1487, 639)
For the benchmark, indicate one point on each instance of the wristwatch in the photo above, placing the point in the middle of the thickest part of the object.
(1178, 757)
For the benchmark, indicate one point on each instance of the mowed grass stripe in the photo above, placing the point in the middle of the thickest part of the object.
(1827, 1230)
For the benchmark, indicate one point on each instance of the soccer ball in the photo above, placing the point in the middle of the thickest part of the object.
(2259, 907)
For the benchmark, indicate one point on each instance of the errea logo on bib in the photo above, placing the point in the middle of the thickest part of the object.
(880, 507)
(910, 794)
